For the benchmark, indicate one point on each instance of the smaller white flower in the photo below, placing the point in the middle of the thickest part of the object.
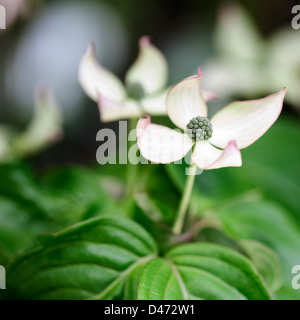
(216, 142)
(145, 88)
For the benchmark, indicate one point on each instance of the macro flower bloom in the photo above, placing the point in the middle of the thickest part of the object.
(216, 143)
(145, 88)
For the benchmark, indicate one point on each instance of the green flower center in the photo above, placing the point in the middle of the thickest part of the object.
(199, 129)
(135, 91)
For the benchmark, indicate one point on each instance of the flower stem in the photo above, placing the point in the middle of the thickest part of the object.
(185, 200)
(132, 170)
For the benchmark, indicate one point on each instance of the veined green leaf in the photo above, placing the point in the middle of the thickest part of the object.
(201, 271)
(270, 224)
(90, 260)
(160, 281)
(19, 184)
(17, 227)
(266, 262)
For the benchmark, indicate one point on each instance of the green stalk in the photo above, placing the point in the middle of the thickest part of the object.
(185, 200)
(132, 169)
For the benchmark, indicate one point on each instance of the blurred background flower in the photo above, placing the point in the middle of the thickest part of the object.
(44, 129)
(15, 10)
(246, 63)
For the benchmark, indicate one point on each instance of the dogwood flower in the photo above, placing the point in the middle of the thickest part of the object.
(217, 142)
(145, 88)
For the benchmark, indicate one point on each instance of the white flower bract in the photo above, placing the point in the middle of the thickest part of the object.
(234, 127)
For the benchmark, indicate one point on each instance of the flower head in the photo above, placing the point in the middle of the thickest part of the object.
(217, 141)
(144, 91)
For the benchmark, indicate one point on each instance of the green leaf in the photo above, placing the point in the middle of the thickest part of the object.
(131, 283)
(155, 197)
(19, 184)
(159, 281)
(17, 227)
(201, 271)
(29, 206)
(156, 200)
(163, 194)
(270, 224)
(90, 260)
(266, 262)
(75, 194)
(275, 156)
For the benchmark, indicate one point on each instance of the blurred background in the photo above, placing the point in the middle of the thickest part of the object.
(246, 48)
